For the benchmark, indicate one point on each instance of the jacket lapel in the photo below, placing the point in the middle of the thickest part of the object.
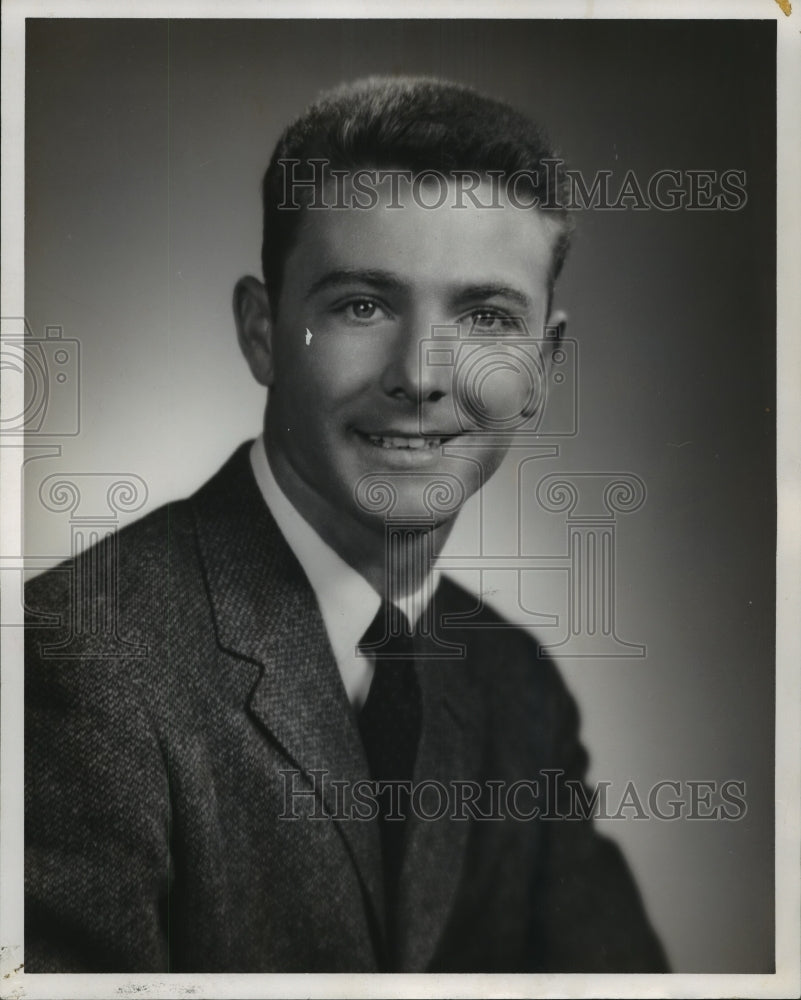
(265, 611)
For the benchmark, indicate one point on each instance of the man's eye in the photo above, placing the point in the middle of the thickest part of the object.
(362, 309)
(490, 321)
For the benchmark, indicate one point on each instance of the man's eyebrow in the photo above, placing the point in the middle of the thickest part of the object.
(389, 281)
(490, 290)
(385, 280)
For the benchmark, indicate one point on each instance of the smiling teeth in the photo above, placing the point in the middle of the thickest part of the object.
(414, 443)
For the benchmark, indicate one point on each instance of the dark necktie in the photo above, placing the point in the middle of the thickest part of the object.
(389, 724)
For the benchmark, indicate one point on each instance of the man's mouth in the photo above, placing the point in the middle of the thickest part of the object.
(417, 442)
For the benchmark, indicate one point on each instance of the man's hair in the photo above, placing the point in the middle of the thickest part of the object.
(412, 124)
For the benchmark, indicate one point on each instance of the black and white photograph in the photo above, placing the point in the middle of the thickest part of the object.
(400, 500)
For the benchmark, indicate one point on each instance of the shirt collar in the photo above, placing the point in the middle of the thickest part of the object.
(348, 603)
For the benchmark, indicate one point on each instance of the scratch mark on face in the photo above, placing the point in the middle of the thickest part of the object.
(308, 336)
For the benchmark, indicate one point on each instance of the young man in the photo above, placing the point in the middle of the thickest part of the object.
(247, 772)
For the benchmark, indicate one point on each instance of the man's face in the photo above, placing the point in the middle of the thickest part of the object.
(351, 394)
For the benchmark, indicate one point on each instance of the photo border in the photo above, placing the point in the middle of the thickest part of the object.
(786, 981)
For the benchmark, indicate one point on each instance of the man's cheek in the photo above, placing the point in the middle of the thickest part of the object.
(310, 372)
(498, 390)
(508, 392)
(333, 352)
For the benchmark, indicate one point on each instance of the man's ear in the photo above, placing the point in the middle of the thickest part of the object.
(254, 327)
(557, 325)
(554, 334)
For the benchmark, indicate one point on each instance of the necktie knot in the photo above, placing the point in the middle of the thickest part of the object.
(390, 635)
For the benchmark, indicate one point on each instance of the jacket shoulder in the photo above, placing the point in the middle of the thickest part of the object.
(120, 566)
(134, 564)
(495, 644)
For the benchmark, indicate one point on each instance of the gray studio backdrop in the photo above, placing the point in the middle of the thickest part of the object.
(145, 144)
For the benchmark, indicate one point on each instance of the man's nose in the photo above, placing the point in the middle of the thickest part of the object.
(415, 368)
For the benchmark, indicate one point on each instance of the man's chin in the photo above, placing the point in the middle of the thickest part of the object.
(430, 498)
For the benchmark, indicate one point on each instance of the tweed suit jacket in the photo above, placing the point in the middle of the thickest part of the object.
(173, 709)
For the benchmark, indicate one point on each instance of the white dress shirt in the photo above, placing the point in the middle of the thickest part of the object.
(348, 603)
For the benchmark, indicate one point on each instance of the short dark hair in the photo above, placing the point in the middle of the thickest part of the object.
(414, 124)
